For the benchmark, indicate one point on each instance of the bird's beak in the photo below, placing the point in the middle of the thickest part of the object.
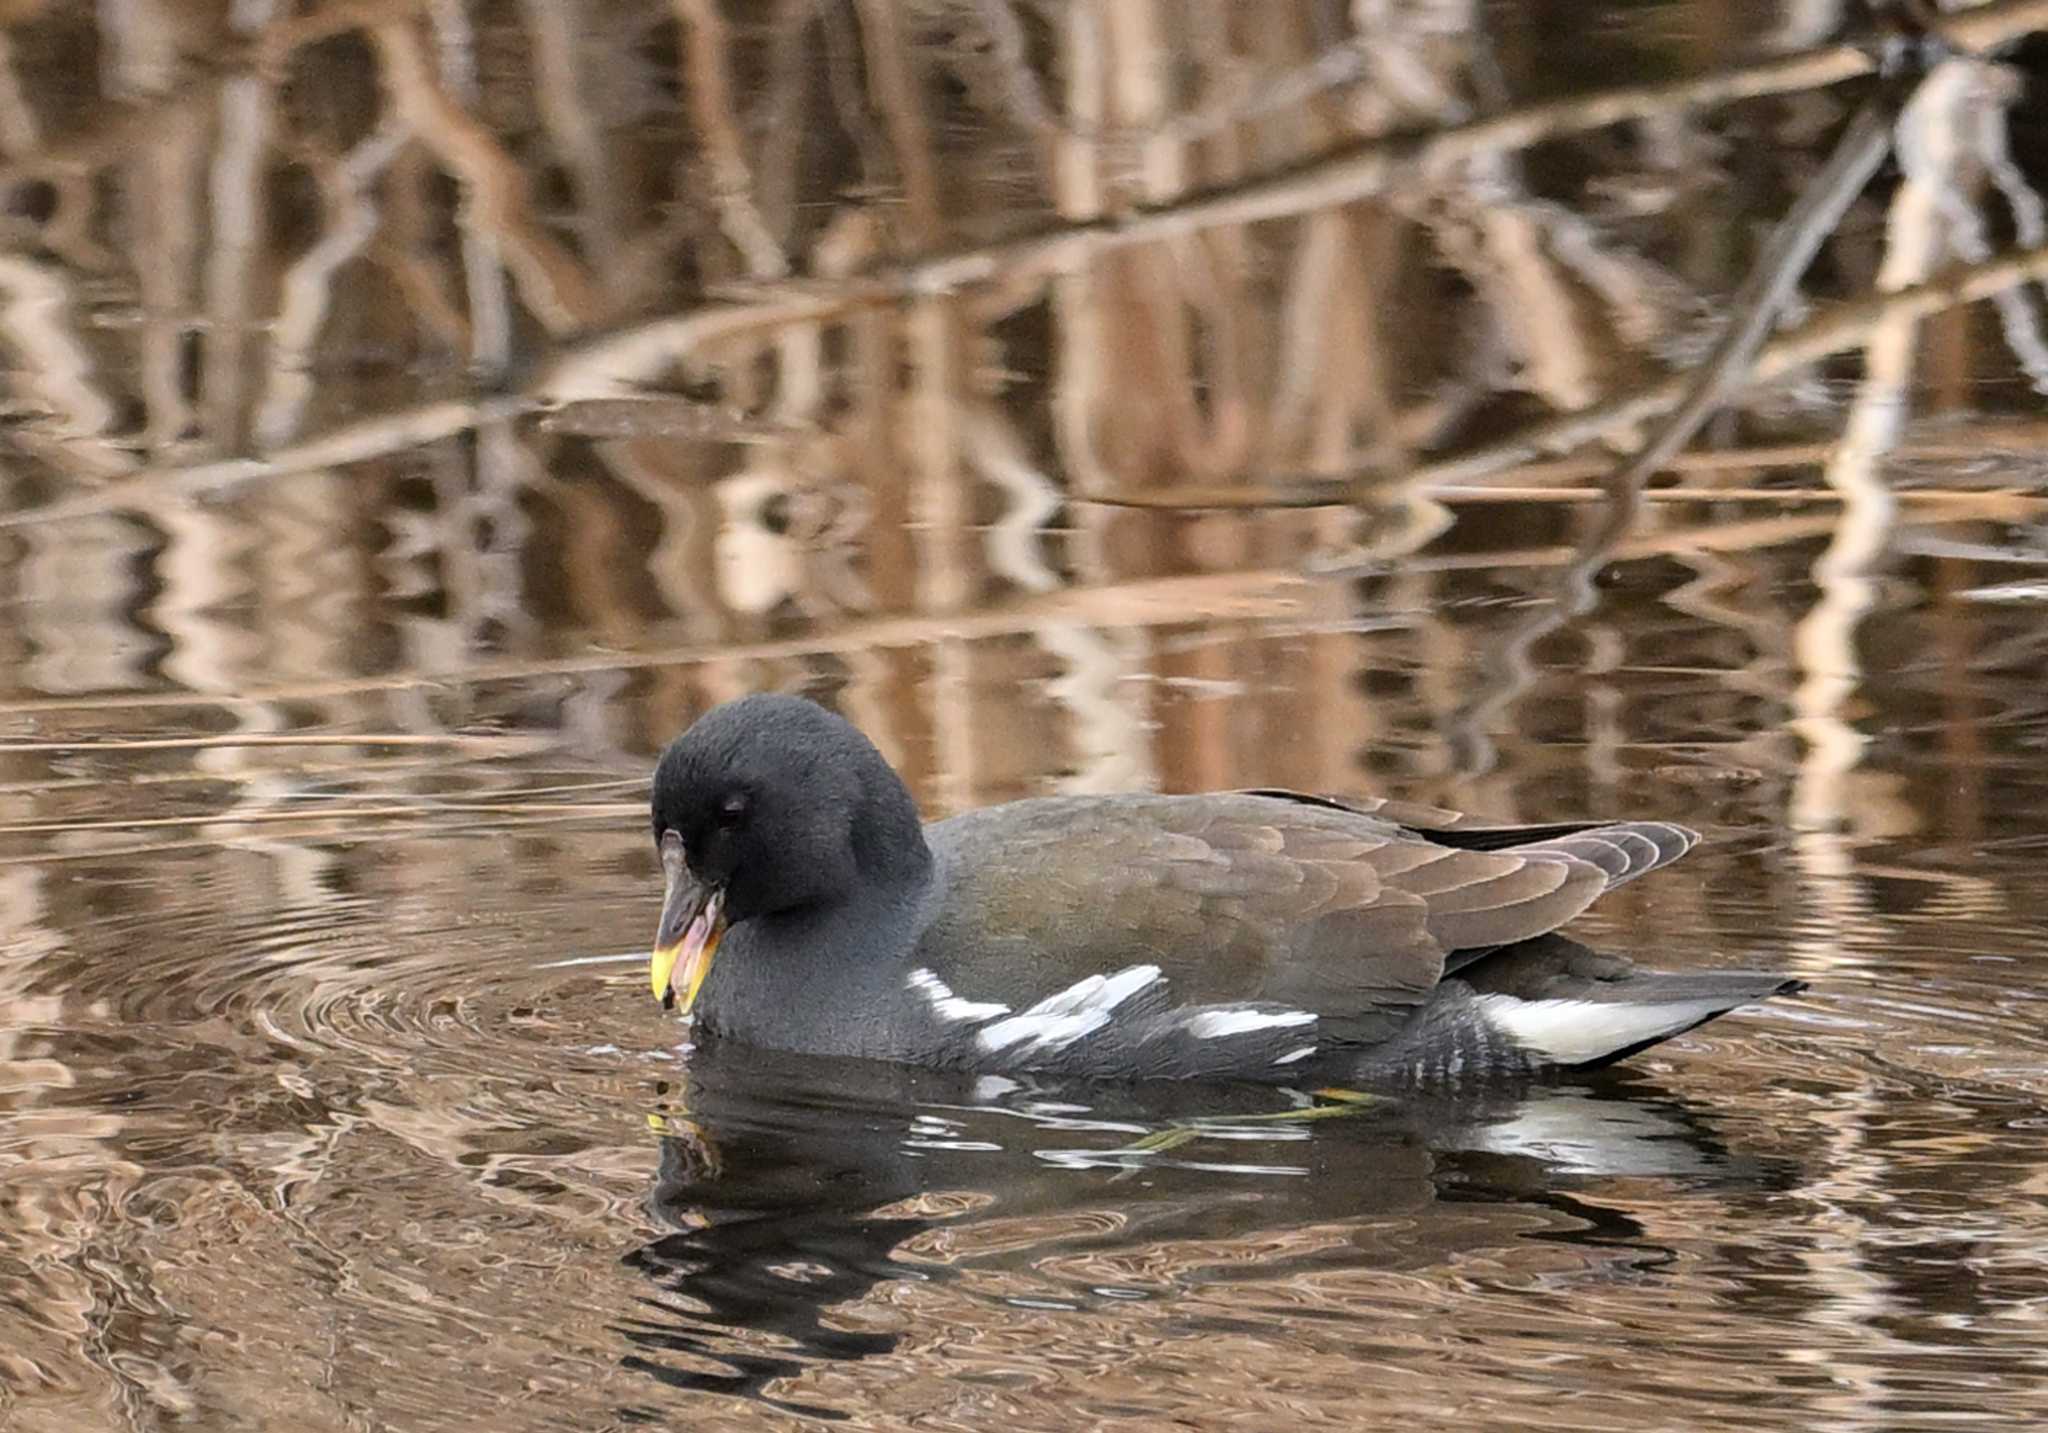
(692, 923)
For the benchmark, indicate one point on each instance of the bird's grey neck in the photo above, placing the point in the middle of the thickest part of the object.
(776, 972)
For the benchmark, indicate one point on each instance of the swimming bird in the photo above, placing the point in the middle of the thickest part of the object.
(1253, 935)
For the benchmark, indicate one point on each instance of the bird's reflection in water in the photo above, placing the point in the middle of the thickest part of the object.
(792, 1186)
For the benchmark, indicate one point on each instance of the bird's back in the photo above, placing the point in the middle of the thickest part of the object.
(1225, 925)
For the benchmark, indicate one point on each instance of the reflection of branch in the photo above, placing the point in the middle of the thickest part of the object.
(1756, 305)
(68, 231)
(1838, 331)
(421, 292)
(707, 82)
(1362, 170)
(115, 130)
(483, 272)
(1496, 240)
(893, 79)
(1240, 102)
(660, 416)
(841, 63)
(20, 134)
(35, 300)
(375, 437)
(995, 451)
(305, 288)
(573, 125)
(707, 77)
(588, 366)
(495, 744)
(1555, 483)
(162, 181)
(1754, 309)
(613, 363)
(1076, 366)
(1989, 504)
(1981, 128)
(550, 279)
(1711, 534)
(1352, 174)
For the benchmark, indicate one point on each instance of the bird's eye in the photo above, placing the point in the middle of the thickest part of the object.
(732, 810)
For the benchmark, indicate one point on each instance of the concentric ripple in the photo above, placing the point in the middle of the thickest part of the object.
(321, 1098)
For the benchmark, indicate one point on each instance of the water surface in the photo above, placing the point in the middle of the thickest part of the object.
(357, 560)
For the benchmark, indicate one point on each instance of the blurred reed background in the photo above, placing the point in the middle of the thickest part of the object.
(448, 370)
(370, 359)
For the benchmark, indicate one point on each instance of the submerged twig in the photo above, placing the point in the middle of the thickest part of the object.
(1340, 1104)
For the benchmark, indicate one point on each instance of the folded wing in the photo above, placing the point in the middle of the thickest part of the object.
(1261, 906)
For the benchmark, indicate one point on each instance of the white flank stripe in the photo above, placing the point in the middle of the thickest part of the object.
(948, 1006)
(1064, 1017)
(1210, 1023)
(1293, 1055)
(1572, 1032)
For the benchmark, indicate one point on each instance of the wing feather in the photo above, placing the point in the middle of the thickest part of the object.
(1344, 909)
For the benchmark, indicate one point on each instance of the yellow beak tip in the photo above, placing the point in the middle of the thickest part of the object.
(661, 970)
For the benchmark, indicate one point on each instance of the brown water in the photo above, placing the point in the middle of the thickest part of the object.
(330, 1093)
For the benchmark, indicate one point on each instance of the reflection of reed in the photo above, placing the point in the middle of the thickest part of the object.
(1824, 643)
(1860, 1306)
(840, 410)
(62, 1168)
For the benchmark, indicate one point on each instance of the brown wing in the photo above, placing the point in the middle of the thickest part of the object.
(1324, 906)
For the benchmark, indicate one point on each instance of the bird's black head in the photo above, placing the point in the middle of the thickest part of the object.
(770, 804)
